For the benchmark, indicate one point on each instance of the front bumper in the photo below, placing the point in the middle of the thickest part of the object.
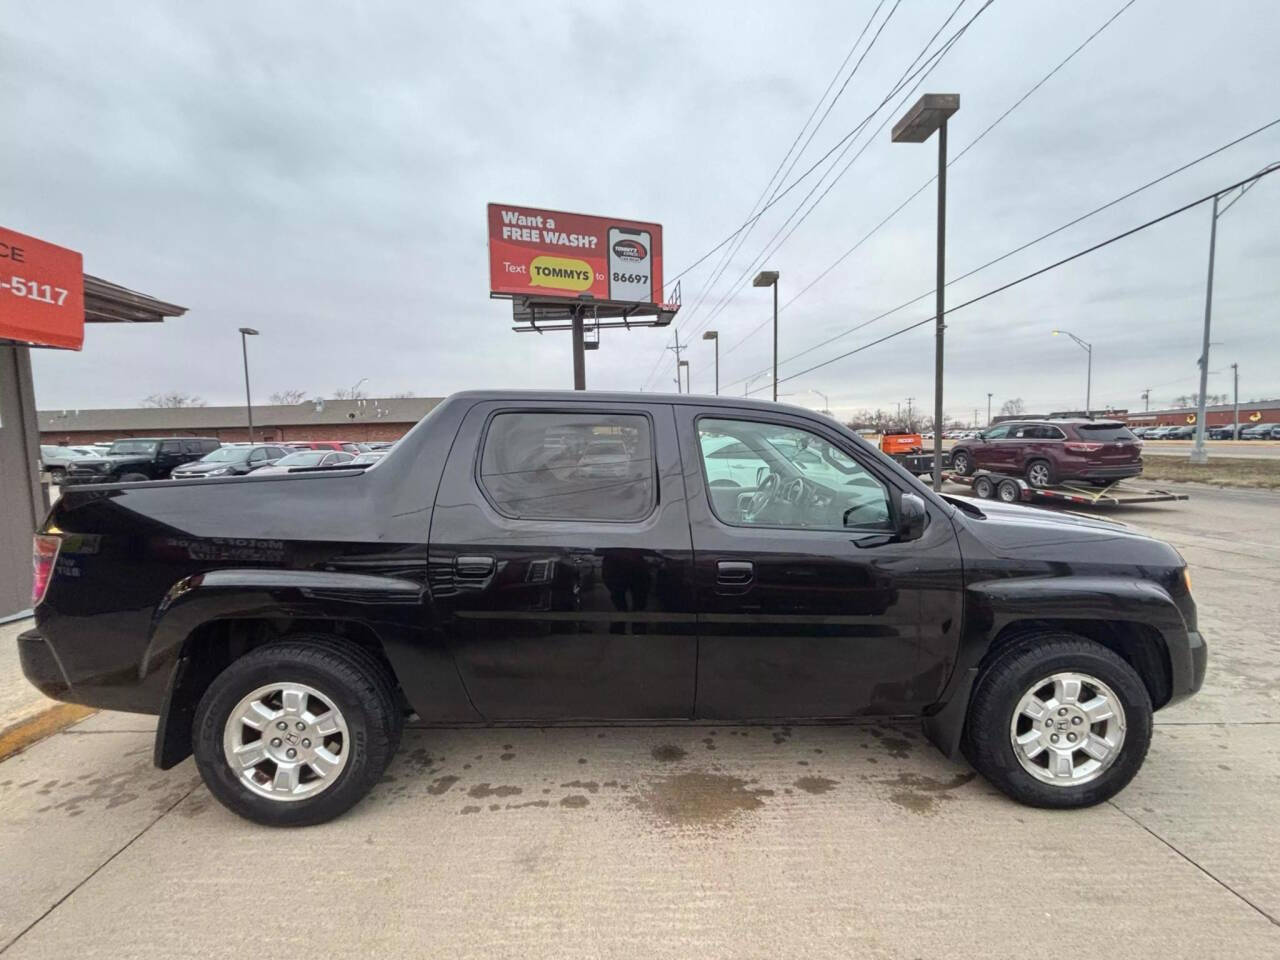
(1189, 665)
(41, 667)
(95, 477)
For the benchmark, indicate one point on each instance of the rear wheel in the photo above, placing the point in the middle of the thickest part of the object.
(962, 463)
(1039, 473)
(1058, 721)
(295, 733)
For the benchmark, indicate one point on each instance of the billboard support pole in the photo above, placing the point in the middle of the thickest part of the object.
(579, 353)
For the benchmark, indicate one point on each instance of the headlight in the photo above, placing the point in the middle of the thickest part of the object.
(216, 473)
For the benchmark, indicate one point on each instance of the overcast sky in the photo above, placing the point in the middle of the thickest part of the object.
(320, 171)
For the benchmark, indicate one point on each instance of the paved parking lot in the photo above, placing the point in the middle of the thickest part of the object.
(825, 841)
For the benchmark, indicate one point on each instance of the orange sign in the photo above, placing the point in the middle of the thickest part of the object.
(41, 292)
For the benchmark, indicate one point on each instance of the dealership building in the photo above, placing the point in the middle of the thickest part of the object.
(1215, 415)
(372, 419)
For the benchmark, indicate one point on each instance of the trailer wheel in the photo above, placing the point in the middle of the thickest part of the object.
(1008, 491)
(983, 488)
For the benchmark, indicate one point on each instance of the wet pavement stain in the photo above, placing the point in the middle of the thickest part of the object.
(698, 800)
(469, 809)
(529, 803)
(815, 785)
(482, 790)
(588, 785)
(574, 801)
(441, 785)
(668, 753)
(922, 794)
(507, 756)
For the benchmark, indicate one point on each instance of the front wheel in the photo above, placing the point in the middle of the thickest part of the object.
(133, 478)
(961, 463)
(1058, 721)
(295, 733)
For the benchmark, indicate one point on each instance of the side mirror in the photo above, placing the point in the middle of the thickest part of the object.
(912, 516)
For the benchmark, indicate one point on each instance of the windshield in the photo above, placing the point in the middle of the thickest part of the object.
(303, 458)
(1105, 432)
(367, 458)
(226, 455)
(123, 447)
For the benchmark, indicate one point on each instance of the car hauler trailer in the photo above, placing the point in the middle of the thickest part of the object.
(1010, 489)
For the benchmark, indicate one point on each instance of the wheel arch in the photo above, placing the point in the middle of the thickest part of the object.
(208, 621)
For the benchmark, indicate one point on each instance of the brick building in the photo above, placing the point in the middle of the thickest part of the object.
(370, 419)
(1215, 415)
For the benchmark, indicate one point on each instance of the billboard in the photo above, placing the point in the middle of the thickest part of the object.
(545, 253)
(41, 292)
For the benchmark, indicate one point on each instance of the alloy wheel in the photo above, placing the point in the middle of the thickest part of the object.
(286, 741)
(1067, 729)
(1038, 474)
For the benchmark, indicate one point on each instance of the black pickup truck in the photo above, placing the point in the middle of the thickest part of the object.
(532, 558)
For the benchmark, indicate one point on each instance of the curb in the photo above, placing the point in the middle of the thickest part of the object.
(18, 736)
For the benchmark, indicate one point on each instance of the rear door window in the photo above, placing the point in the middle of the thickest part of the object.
(1104, 432)
(569, 466)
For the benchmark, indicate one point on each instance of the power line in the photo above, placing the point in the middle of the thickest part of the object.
(924, 186)
(1024, 246)
(727, 257)
(1035, 273)
(922, 71)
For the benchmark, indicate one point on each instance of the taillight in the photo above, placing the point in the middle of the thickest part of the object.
(44, 556)
(1076, 447)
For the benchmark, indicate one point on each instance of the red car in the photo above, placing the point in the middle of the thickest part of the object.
(1050, 451)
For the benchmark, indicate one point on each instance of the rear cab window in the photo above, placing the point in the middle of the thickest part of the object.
(569, 466)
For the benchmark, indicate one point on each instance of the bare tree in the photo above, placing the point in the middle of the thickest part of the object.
(288, 396)
(173, 399)
(1013, 407)
(349, 393)
(403, 395)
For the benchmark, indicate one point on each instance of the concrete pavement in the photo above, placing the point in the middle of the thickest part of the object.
(690, 841)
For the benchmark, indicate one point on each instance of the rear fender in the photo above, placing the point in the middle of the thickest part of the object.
(395, 612)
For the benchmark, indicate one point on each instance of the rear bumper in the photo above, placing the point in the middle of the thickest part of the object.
(1107, 473)
(41, 667)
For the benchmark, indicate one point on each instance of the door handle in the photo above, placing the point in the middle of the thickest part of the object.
(735, 572)
(473, 568)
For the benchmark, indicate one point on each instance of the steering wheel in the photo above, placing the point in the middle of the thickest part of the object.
(793, 492)
(761, 499)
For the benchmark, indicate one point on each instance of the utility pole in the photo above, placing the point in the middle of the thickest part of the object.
(989, 409)
(1235, 417)
(1146, 400)
(910, 419)
(677, 348)
(1198, 453)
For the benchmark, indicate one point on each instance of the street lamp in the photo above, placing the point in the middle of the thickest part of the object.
(1088, 383)
(917, 125)
(713, 335)
(688, 383)
(769, 278)
(1198, 453)
(826, 401)
(245, 333)
(989, 396)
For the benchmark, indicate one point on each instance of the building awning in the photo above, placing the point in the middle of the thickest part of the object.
(111, 303)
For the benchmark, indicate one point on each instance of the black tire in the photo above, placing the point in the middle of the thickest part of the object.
(57, 475)
(987, 741)
(1008, 492)
(961, 462)
(983, 488)
(351, 678)
(1042, 472)
(132, 478)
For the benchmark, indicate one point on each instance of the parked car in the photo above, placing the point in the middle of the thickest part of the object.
(1182, 432)
(475, 576)
(1140, 432)
(346, 445)
(54, 459)
(140, 458)
(1223, 431)
(1261, 431)
(233, 460)
(368, 458)
(1051, 451)
(308, 458)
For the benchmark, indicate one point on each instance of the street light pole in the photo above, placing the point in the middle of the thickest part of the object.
(928, 114)
(688, 382)
(714, 336)
(989, 409)
(826, 401)
(769, 278)
(1087, 347)
(1235, 417)
(245, 333)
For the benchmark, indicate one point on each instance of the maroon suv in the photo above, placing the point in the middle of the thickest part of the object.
(1050, 451)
